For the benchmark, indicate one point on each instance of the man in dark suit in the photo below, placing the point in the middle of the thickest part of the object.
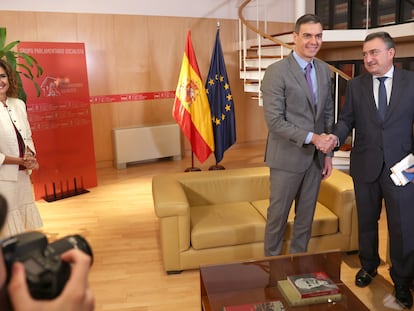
(297, 112)
(381, 140)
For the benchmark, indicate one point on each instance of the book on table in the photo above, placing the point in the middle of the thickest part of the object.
(313, 284)
(309, 288)
(275, 305)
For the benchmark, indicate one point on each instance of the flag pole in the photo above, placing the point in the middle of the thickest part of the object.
(221, 103)
(192, 168)
(197, 119)
(216, 167)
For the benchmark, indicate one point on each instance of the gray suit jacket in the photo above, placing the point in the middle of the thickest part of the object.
(290, 114)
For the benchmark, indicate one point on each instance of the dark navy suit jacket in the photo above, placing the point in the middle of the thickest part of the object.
(377, 142)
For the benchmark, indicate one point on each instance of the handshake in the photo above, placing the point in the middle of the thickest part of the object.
(325, 142)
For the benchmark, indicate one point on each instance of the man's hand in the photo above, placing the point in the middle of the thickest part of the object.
(324, 142)
(410, 170)
(327, 168)
(76, 295)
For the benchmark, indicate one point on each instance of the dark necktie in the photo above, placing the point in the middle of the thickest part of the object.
(308, 69)
(382, 97)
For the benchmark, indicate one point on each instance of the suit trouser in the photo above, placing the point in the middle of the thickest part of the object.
(399, 208)
(284, 188)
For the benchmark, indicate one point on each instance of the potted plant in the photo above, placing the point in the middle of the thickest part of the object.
(24, 64)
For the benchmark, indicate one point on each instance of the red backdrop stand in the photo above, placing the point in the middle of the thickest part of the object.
(61, 121)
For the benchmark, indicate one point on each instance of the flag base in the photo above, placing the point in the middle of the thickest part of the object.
(192, 169)
(216, 167)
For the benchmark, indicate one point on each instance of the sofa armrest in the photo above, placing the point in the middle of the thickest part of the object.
(173, 210)
(169, 197)
(337, 194)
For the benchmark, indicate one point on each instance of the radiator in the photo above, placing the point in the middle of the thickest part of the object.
(134, 144)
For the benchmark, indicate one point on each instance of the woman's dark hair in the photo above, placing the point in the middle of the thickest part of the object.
(11, 75)
(3, 210)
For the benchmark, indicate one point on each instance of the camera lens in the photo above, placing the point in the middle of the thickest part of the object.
(71, 241)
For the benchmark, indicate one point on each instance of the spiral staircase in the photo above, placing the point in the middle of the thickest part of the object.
(256, 54)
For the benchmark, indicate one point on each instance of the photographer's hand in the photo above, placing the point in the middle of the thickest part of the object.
(76, 295)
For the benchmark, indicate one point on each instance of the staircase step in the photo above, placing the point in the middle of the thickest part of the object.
(270, 50)
(284, 37)
(252, 74)
(268, 45)
(259, 100)
(265, 56)
(251, 88)
(252, 69)
(264, 62)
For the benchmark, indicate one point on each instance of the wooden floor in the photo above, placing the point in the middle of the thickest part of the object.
(118, 220)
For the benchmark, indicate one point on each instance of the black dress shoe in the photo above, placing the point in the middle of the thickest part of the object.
(404, 296)
(363, 278)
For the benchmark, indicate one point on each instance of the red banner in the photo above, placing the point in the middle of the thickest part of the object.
(61, 120)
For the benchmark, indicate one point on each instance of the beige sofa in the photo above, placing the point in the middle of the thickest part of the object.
(214, 217)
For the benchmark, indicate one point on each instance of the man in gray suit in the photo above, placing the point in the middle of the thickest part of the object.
(298, 110)
(381, 140)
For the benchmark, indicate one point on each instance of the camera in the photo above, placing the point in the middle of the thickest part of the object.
(46, 273)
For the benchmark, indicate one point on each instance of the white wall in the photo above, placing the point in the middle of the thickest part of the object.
(276, 10)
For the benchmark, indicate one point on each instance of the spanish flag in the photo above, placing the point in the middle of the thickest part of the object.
(191, 108)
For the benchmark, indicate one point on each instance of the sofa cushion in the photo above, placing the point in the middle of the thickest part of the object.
(324, 222)
(225, 225)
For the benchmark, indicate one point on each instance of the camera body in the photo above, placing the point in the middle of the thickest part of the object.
(46, 273)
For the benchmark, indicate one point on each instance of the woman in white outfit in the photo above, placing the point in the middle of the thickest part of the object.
(17, 157)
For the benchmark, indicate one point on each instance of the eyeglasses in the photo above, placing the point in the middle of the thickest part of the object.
(372, 53)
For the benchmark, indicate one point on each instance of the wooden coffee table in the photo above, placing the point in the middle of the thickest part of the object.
(256, 281)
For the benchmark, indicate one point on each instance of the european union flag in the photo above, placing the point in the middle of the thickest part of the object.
(221, 102)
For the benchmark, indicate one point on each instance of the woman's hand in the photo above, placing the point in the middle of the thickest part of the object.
(30, 162)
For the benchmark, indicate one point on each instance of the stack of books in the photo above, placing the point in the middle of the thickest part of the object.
(275, 305)
(309, 288)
